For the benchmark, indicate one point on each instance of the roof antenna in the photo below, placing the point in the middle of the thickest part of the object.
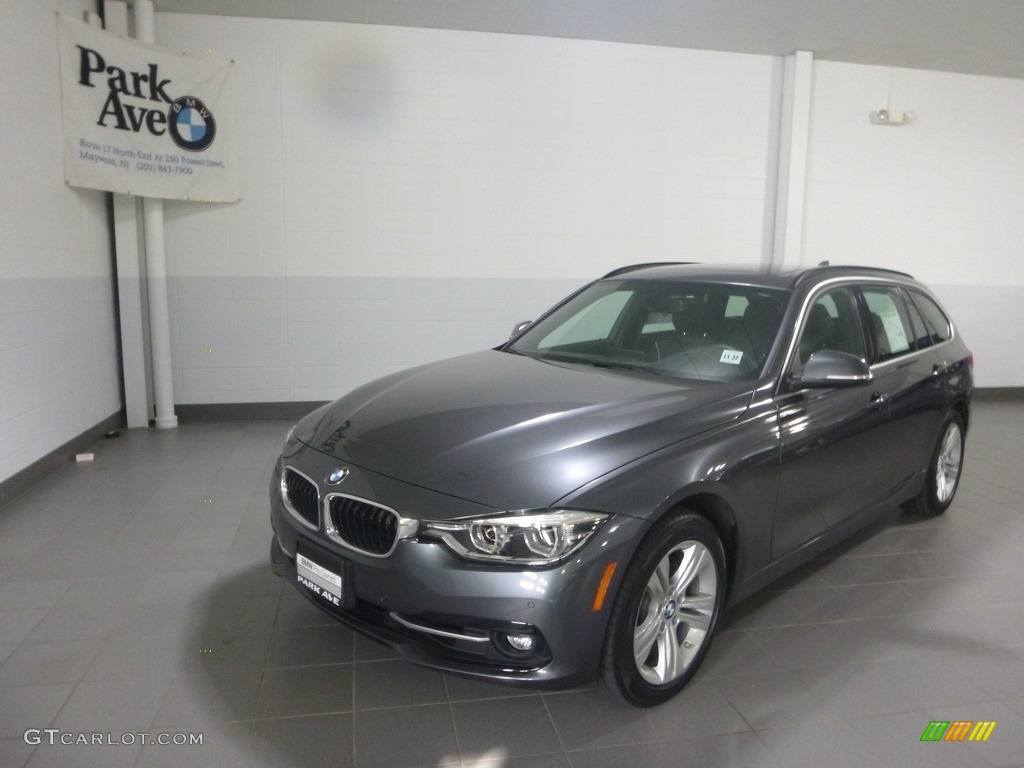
(822, 263)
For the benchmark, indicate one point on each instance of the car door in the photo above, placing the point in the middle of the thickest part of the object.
(907, 376)
(829, 458)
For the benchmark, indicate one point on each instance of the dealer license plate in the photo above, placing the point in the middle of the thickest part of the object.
(320, 580)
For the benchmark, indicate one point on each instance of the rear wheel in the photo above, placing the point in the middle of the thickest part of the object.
(666, 611)
(943, 476)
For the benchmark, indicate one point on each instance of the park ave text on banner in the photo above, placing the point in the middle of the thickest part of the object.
(144, 121)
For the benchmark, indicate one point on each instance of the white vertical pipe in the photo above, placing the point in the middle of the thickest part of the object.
(794, 138)
(156, 268)
(136, 371)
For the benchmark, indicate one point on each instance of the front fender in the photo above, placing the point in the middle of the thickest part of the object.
(733, 467)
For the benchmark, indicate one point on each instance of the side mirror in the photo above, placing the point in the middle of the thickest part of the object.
(519, 328)
(831, 368)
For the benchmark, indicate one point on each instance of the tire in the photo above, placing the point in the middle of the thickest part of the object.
(666, 611)
(943, 475)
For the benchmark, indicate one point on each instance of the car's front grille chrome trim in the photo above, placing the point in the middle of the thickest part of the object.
(301, 497)
(365, 526)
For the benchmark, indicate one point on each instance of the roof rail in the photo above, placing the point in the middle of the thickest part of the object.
(826, 267)
(645, 265)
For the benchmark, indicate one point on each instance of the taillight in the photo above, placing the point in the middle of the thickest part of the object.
(970, 360)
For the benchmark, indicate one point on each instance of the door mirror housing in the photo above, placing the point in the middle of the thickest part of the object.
(832, 368)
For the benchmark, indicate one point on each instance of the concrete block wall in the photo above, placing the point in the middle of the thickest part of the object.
(59, 370)
(409, 194)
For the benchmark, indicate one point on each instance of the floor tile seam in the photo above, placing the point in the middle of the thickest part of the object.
(44, 612)
(784, 666)
(451, 719)
(854, 555)
(474, 760)
(936, 654)
(544, 698)
(269, 668)
(416, 705)
(902, 581)
(355, 734)
(757, 627)
(496, 697)
(360, 710)
(169, 676)
(869, 752)
(681, 741)
(277, 718)
(528, 694)
(831, 623)
(149, 726)
(731, 732)
(86, 667)
(56, 714)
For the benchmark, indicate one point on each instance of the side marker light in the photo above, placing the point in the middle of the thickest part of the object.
(602, 588)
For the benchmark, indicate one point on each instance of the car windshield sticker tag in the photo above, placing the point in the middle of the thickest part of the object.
(731, 356)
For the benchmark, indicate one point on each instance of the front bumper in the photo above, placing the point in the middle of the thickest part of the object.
(445, 613)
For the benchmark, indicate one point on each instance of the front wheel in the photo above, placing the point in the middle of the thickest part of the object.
(943, 470)
(668, 606)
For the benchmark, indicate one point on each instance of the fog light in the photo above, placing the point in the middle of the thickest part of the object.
(521, 642)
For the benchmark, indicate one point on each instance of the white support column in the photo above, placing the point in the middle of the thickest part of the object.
(156, 268)
(131, 294)
(793, 143)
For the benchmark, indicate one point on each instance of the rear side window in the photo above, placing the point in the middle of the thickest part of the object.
(891, 327)
(935, 319)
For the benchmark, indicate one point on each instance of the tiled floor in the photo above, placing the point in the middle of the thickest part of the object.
(136, 600)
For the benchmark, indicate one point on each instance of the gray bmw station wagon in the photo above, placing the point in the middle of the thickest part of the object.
(584, 500)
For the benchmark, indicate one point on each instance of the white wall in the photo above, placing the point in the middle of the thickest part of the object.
(58, 356)
(409, 193)
(941, 197)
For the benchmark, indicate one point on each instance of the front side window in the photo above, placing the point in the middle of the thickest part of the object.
(689, 330)
(832, 322)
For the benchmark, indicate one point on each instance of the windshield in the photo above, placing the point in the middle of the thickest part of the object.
(688, 330)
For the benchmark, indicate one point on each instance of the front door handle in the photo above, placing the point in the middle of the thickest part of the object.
(878, 400)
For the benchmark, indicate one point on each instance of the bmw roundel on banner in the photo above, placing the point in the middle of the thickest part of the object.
(193, 127)
(141, 120)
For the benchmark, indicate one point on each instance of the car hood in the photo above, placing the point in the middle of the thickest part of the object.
(513, 432)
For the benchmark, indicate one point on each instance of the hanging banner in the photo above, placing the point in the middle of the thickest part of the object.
(142, 121)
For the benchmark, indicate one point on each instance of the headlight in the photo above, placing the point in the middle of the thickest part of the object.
(537, 538)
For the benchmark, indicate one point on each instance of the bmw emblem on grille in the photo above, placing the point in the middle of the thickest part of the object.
(339, 474)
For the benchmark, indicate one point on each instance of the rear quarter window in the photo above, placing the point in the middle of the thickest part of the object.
(935, 319)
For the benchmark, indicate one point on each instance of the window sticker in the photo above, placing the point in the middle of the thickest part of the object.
(897, 333)
(731, 356)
